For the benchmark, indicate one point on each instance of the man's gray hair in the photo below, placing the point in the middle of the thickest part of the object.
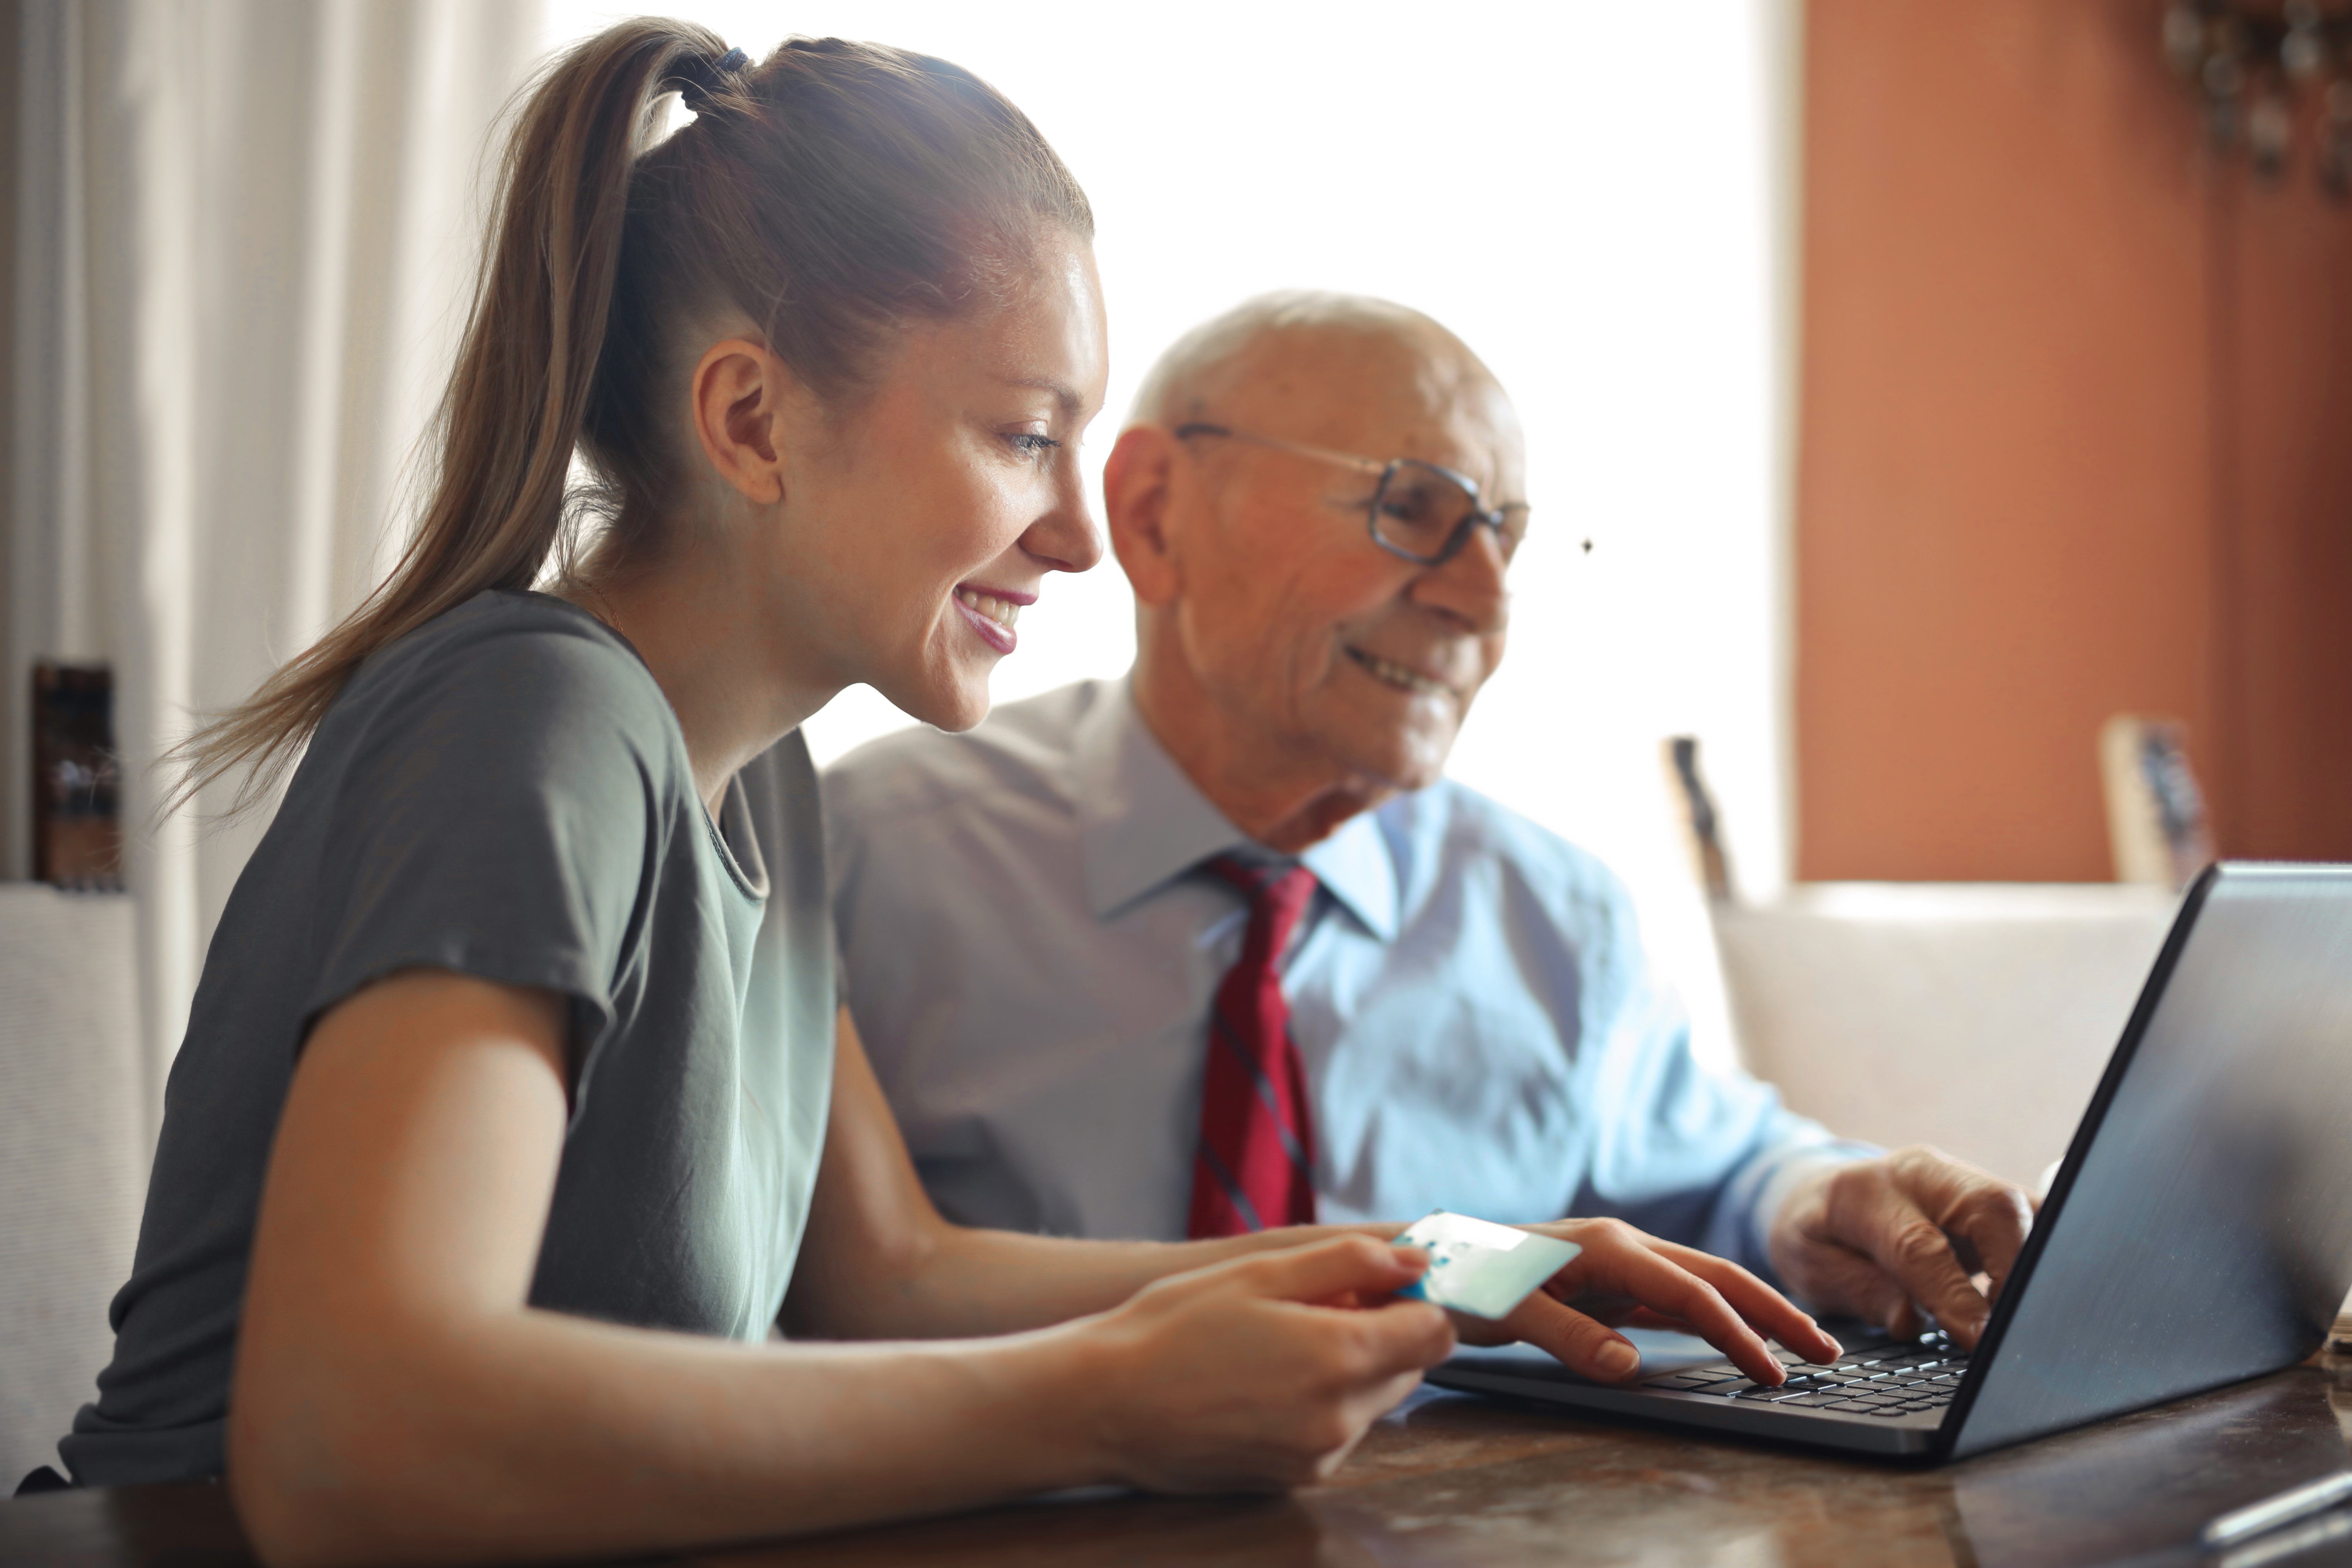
(1184, 381)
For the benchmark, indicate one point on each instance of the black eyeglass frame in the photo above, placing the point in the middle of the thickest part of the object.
(1491, 517)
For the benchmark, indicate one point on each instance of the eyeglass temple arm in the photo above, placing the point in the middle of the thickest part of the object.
(1492, 516)
(1297, 449)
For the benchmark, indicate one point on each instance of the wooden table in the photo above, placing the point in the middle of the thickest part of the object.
(1454, 1480)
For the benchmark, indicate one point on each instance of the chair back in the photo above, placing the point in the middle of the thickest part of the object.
(75, 1143)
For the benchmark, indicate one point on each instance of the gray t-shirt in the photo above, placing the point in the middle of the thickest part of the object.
(505, 793)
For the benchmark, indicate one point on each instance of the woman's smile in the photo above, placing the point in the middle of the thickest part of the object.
(991, 613)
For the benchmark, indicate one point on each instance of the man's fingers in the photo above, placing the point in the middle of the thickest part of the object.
(1915, 1252)
(1983, 1219)
(1871, 1293)
(1580, 1344)
(1884, 1220)
(1996, 1218)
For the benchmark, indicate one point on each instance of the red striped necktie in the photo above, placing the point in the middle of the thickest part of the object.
(1255, 1167)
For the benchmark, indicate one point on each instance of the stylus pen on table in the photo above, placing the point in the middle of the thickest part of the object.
(2295, 1502)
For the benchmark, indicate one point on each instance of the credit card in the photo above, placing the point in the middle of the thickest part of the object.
(1481, 1268)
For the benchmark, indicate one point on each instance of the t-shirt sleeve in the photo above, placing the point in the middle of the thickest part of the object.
(497, 816)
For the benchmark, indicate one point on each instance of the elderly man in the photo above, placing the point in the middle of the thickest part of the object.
(1215, 947)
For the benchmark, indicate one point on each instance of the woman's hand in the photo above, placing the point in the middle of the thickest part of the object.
(1262, 1372)
(1626, 1276)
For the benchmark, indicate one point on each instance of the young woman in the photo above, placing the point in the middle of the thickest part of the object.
(515, 1095)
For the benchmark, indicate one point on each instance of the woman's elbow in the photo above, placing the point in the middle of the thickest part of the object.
(293, 1509)
(312, 1481)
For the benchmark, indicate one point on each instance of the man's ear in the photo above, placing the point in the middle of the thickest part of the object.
(1136, 486)
(740, 394)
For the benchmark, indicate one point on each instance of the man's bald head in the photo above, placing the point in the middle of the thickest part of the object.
(1297, 670)
(1204, 368)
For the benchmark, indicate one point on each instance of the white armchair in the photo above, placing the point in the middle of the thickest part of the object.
(74, 1149)
(1976, 1016)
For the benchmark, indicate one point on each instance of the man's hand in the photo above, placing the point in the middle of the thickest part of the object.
(1898, 1239)
(1625, 1276)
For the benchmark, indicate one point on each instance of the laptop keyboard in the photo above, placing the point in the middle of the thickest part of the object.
(1904, 1378)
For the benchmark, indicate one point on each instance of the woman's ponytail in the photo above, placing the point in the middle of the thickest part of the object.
(834, 192)
(508, 422)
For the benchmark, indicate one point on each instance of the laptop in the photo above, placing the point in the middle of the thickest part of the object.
(2198, 1233)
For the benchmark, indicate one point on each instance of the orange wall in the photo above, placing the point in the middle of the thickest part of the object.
(2076, 439)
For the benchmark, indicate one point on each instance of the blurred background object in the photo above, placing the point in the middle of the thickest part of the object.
(2262, 73)
(74, 1143)
(77, 779)
(2156, 814)
(1702, 827)
(1975, 1017)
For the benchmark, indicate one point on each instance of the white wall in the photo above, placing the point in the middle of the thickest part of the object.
(1595, 197)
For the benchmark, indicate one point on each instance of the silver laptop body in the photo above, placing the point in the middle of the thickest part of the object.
(2199, 1232)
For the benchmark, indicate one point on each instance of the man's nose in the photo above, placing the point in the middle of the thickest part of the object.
(1066, 538)
(1469, 588)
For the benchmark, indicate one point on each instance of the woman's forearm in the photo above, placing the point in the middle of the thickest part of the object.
(879, 1262)
(527, 1433)
(972, 1282)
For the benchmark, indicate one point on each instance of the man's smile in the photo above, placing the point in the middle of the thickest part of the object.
(1389, 672)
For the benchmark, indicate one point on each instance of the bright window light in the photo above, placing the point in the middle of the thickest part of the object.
(1604, 217)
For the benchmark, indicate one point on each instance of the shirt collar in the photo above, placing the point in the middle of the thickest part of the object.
(1355, 867)
(1142, 822)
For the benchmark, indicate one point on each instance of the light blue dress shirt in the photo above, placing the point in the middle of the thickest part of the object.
(1031, 949)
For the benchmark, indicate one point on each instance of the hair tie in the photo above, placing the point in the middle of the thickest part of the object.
(702, 77)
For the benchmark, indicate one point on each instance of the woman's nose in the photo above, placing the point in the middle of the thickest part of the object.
(1067, 539)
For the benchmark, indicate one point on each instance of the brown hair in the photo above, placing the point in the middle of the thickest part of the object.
(832, 192)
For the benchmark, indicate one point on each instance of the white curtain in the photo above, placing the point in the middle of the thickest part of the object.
(245, 236)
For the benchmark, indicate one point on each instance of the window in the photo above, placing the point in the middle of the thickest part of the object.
(1621, 263)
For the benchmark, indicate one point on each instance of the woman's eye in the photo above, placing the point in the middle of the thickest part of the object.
(1030, 445)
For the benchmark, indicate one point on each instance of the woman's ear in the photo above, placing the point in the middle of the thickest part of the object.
(1137, 480)
(742, 394)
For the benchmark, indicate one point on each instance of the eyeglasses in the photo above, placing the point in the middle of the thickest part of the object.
(1420, 511)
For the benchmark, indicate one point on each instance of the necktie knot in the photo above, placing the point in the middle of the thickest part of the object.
(1279, 893)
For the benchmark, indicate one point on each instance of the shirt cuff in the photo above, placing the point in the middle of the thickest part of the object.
(1759, 1194)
